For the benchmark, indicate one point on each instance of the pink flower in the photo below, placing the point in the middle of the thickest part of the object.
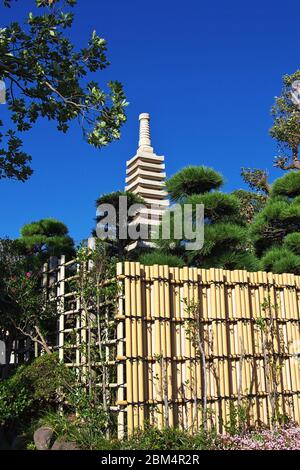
(28, 275)
(285, 438)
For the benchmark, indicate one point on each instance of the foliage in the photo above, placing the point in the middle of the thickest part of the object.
(116, 242)
(222, 236)
(45, 238)
(284, 438)
(161, 258)
(256, 179)
(217, 205)
(14, 401)
(87, 398)
(43, 377)
(280, 260)
(97, 290)
(237, 420)
(286, 131)
(286, 127)
(170, 243)
(87, 427)
(23, 306)
(278, 218)
(251, 203)
(31, 389)
(47, 77)
(113, 199)
(227, 243)
(271, 360)
(193, 180)
(88, 435)
(228, 260)
(24, 309)
(275, 230)
(169, 439)
(288, 185)
(292, 243)
(196, 336)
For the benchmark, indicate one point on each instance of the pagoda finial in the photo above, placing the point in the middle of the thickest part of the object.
(145, 140)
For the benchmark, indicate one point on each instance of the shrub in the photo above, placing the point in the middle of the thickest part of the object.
(43, 377)
(45, 238)
(292, 242)
(158, 257)
(87, 432)
(231, 260)
(31, 389)
(169, 439)
(280, 260)
(278, 218)
(193, 180)
(288, 185)
(15, 401)
(222, 236)
(217, 205)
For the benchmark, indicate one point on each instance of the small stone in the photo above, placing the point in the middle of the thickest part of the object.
(42, 438)
(61, 444)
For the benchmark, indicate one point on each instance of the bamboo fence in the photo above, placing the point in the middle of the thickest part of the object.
(159, 375)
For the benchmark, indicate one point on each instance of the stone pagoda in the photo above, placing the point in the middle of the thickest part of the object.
(146, 178)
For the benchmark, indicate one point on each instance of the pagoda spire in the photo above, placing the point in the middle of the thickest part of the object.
(146, 178)
(145, 139)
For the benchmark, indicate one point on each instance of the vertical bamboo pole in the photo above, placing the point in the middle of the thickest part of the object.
(158, 345)
(166, 275)
(135, 378)
(178, 351)
(196, 355)
(187, 350)
(78, 328)
(61, 300)
(140, 348)
(150, 342)
(293, 321)
(83, 335)
(128, 336)
(45, 286)
(120, 356)
(162, 325)
(225, 341)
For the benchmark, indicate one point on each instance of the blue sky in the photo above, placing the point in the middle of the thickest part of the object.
(207, 72)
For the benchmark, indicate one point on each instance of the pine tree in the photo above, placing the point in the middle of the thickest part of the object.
(275, 230)
(117, 245)
(45, 238)
(226, 237)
